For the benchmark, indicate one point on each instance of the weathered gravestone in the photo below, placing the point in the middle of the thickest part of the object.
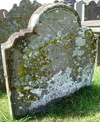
(92, 11)
(16, 19)
(52, 58)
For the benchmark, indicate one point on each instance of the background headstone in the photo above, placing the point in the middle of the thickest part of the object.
(80, 8)
(98, 4)
(92, 11)
(52, 58)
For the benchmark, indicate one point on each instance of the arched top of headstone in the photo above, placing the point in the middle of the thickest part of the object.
(37, 20)
(92, 3)
(88, 1)
(46, 8)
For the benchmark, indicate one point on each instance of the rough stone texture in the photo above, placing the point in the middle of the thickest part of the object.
(16, 19)
(52, 58)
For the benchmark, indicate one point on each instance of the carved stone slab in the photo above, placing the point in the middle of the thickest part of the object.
(52, 58)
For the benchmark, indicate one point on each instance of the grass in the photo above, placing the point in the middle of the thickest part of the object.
(82, 106)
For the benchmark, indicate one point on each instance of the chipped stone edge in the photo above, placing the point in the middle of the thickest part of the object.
(32, 23)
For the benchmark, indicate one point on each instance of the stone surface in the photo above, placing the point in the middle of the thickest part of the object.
(16, 19)
(52, 58)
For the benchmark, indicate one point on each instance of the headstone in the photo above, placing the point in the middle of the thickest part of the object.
(88, 10)
(80, 8)
(52, 58)
(16, 19)
(98, 4)
(92, 11)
